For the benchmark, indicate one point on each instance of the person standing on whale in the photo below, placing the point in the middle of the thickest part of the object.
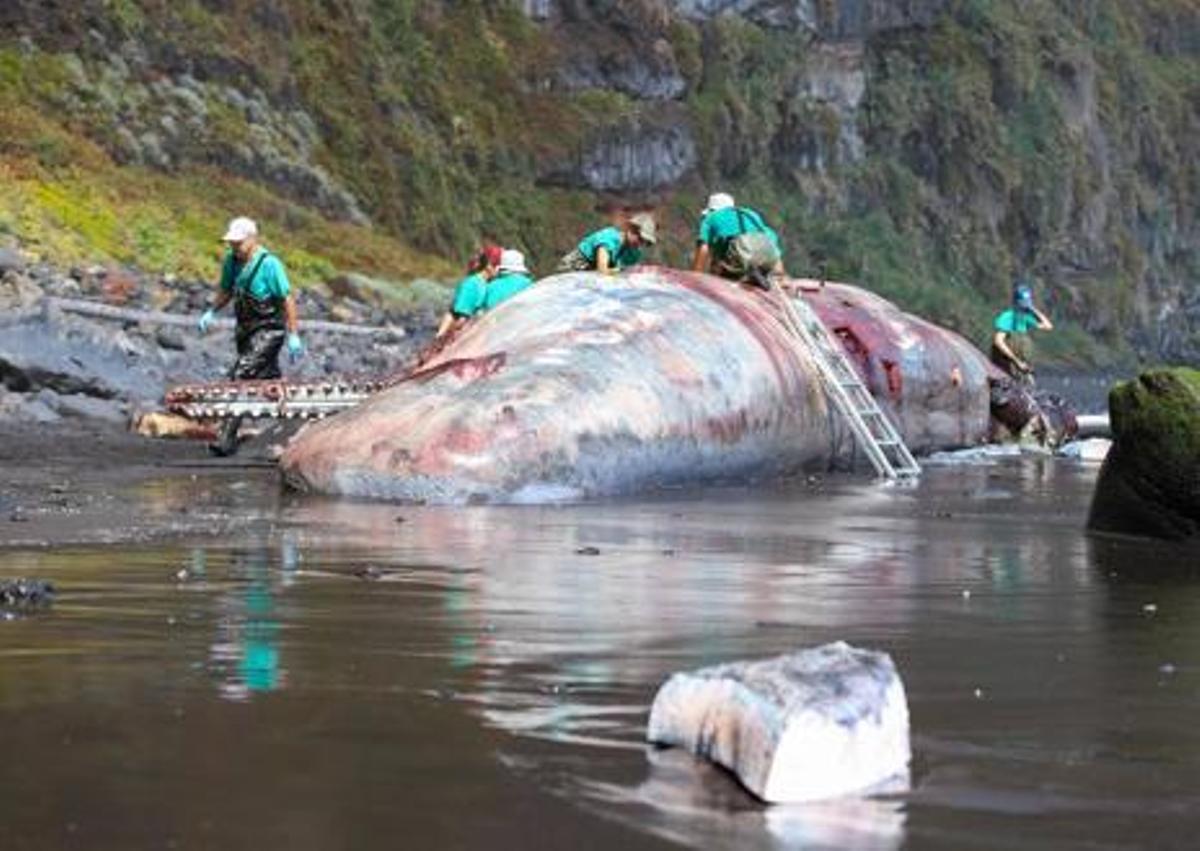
(256, 282)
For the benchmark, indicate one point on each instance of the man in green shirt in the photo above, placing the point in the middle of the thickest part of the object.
(256, 282)
(512, 277)
(734, 242)
(610, 249)
(1012, 348)
(469, 294)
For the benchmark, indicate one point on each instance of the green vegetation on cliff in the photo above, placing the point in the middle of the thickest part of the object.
(932, 160)
(1052, 139)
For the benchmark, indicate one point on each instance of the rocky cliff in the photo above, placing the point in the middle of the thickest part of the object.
(931, 149)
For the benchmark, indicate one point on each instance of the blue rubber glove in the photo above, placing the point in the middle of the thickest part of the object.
(295, 346)
(206, 320)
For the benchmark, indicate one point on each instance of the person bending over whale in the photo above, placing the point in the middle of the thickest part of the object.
(469, 294)
(512, 276)
(734, 242)
(610, 249)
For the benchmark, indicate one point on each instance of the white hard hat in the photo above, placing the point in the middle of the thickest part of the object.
(717, 201)
(239, 229)
(512, 260)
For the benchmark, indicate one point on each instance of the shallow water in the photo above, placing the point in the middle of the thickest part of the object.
(366, 676)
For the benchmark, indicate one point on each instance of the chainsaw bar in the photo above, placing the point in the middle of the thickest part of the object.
(274, 399)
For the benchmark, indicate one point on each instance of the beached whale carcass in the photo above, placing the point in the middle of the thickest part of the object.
(587, 384)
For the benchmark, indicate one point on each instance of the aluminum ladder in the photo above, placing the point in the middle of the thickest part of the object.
(872, 429)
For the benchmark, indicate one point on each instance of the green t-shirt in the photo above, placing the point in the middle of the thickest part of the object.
(620, 255)
(469, 295)
(1014, 321)
(719, 227)
(503, 287)
(263, 275)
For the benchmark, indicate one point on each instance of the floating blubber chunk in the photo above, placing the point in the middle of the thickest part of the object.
(814, 724)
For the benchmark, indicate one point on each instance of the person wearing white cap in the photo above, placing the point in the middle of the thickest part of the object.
(734, 242)
(611, 249)
(512, 276)
(256, 282)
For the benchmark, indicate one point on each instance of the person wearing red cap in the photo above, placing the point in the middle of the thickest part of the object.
(469, 294)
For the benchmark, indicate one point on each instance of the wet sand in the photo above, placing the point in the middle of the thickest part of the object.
(275, 671)
(88, 482)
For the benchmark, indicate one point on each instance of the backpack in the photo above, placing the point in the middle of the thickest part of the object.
(751, 254)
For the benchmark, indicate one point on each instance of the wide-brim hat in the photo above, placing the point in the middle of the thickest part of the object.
(646, 228)
(512, 260)
(717, 201)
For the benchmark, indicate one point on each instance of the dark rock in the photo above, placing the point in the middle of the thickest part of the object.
(73, 356)
(40, 408)
(11, 260)
(1150, 482)
(1026, 415)
(639, 157)
(18, 292)
(838, 21)
(170, 338)
(25, 593)
(92, 408)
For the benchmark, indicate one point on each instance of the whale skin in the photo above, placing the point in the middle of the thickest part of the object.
(588, 385)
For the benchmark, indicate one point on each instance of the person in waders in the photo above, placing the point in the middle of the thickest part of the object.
(611, 249)
(735, 243)
(256, 282)
(1012, 347)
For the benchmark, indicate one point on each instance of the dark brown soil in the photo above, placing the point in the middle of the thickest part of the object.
(89, 482)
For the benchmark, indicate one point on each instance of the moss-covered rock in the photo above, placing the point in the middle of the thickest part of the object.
(1150, 483)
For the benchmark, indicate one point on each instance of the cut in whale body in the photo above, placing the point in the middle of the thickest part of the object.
(589, 385)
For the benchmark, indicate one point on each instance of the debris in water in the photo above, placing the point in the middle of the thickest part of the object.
(813, 724)
(23, 593)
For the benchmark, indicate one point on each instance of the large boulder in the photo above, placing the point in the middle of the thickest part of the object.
(1150, 482)
(814, 724)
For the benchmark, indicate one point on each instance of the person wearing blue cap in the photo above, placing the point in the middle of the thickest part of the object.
(1012, 347)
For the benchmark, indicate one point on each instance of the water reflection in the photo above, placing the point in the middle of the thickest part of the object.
(705, 809)
(245, 655)
(403, 657)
